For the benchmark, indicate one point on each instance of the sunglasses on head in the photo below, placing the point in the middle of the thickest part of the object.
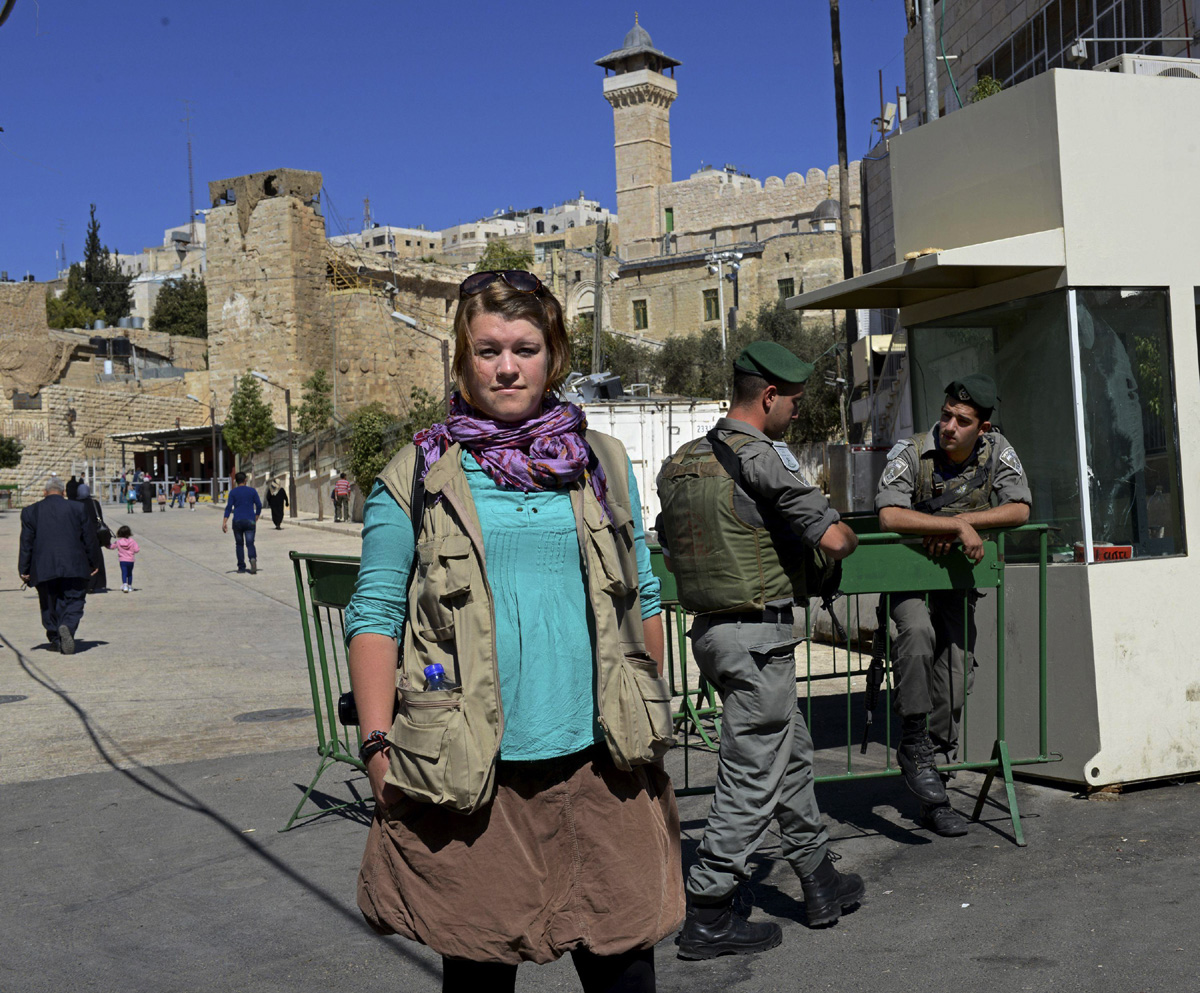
(518, 279)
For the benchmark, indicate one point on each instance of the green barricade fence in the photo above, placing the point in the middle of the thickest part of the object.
(324, 585)
(883, 564)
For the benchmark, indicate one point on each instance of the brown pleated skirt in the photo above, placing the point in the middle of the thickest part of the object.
(571, 853)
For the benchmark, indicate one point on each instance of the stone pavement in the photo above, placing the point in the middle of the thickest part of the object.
(139, 844)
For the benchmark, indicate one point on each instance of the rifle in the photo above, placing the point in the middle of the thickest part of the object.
(875, 672)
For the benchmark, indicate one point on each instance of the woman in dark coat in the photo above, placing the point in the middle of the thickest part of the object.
(276, 500)
(99, 580)
(147, 494)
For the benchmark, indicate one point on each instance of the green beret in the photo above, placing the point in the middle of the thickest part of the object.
(773, 362)
(976, 389)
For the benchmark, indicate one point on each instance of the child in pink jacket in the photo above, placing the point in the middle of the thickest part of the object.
(126, 548)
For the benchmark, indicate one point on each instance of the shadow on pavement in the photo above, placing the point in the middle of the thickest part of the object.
(162, 786)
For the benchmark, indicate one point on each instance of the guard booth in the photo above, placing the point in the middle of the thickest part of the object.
(1059, 229)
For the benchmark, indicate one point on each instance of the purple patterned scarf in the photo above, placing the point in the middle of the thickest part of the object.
(545, 452)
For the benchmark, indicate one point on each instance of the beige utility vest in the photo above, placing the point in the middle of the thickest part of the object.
(445, 742)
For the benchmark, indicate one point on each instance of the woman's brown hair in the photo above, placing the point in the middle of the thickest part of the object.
(541, 309)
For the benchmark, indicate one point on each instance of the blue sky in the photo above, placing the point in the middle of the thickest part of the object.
(439, 113)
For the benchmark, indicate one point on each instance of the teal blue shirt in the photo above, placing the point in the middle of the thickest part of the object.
(543, 640)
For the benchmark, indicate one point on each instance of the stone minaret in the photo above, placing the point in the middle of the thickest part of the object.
(641, 97)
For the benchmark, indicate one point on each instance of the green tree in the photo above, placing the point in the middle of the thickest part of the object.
(424, 409)
(182, 308)
(692, 365)
(500, 255)
(10, 452)
(316, 409)
(634, 363)
(96, 289)
(373, 441)
(985, 86)
(249, 426)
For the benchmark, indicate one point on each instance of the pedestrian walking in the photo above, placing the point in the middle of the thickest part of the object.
(741, 524)
(126, 547)
(130, 496)
(177, 494)
(341, 499)
(162, 498)
(191, 498)
(59, 554)
(146, 490)
(525, 811)
(276, 500)
(72, 487)
(245, 507)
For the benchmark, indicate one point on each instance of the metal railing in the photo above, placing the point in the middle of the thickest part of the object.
(884, 564)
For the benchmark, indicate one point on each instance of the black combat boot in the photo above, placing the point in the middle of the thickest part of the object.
(715, 929)
(828, 892)
(915, 756)
(944, 820)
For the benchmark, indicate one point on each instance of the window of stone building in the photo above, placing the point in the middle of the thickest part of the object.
(712, 308)
(641, 319)
(541, 227)
(378, 240)
(577, 274)
(829, 225)
(787, 288)
(669, 219)
(408, 243)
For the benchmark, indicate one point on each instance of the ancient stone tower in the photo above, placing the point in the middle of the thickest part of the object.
(266, 276)
(641, 97)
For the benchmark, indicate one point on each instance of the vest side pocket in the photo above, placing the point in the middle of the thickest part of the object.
(636, 712)
(620, 571)
(436, 756)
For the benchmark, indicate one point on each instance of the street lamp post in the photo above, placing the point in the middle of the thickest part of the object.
(287, 402)
(445, 348)
(212, 416)
(716, 265)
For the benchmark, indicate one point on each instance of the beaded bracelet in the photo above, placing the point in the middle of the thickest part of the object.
(372, 745)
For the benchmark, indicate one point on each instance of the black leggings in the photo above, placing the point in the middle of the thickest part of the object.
(629, 972)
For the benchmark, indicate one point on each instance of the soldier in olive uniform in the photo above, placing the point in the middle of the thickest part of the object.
(740, 521)
(960, 478)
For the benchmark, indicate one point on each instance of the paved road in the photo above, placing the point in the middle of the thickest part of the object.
(162, 870)
(162, 672)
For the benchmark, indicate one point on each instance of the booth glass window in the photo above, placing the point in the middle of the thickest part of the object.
(1129, 422)
(1129, 427)
(1024, 346)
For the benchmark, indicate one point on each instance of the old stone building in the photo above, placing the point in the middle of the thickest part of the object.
(65, 394)
(775, 237)
(285, 302)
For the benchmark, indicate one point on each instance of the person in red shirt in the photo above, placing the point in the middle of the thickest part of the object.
(341, 499)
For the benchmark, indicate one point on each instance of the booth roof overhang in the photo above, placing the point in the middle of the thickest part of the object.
(940, 273)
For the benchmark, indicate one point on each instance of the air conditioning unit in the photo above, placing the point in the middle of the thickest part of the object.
(1151, 65)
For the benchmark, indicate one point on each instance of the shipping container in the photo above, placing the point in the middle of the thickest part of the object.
(651, 430)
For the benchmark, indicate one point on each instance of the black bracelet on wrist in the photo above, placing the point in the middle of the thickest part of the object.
(372, 745)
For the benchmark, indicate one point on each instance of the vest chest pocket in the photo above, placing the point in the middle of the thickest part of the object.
(445, 574)
(620, 570)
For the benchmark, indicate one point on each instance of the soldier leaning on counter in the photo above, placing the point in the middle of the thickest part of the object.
(959, 478)
(739, 522)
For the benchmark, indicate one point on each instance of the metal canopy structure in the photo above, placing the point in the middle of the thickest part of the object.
(166, 436)
(940, 274)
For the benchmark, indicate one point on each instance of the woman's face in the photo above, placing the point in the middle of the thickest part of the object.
(508, 367)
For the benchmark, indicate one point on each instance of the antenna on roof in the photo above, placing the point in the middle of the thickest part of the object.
(187, 120)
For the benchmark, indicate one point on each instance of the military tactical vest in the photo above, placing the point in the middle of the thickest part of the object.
(725, 553)
(945, 493)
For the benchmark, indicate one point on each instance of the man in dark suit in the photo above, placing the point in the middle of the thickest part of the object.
(59, 553)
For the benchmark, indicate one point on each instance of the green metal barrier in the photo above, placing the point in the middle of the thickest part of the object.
(324, 585)
(884, 563)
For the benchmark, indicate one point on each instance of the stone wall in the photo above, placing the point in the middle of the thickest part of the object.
(22, 306)
(267, 299)
(712, 212)
(75, 424)
(673, 286)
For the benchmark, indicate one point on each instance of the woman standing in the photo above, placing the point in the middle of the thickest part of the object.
(522, 810)
(276, 500)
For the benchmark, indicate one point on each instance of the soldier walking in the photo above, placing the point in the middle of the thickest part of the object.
(740, 522)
